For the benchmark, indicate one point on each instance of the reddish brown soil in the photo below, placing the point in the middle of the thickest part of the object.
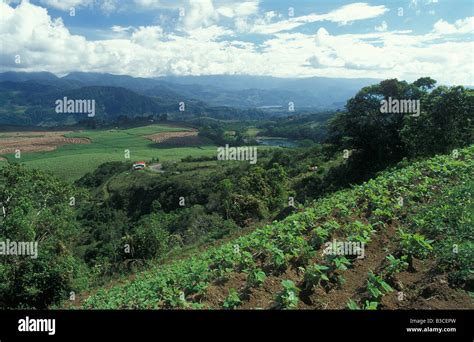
(36, 141)
(422, 289)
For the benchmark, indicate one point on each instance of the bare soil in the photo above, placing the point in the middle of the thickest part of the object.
(422, 287)
(36, 141)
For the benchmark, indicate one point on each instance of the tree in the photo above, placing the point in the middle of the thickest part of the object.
(445, 122)
(149, 238)
(381, 138)
(225, 192)
(425, 83)
(37, 210)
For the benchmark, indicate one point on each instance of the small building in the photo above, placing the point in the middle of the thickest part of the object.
(139, 165)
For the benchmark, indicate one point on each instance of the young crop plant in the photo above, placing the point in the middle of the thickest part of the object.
(246, 261)
(233, 300)
(368, 305)
(414, 245)
(396, 265)
(288, 298)
(256, 277)
(331, 226)
(377, 287)
(384, 215)
(360, 232)
(319, 236)
(174, 298)
(278, 259)
(314, 274)
(337, 262)
(302, 255)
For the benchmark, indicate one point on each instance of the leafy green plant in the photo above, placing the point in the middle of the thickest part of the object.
(319, 236)
(338, 262)
(256, 277)
(246, 261)
(278, 259)
(414, 245)
(288, 298)
(314, 274)
(396, 265)
(376, 286)
(233, 300)
(352, 305)
(368, 305)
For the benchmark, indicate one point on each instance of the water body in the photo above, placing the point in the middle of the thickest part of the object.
(276, 141)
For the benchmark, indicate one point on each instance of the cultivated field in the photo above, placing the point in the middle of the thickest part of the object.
(71, 154)
(36, 141)
(184, 138)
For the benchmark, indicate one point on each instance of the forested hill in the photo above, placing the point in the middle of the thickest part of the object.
(33, 103)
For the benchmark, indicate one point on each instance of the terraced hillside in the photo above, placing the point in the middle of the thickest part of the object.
(415, 224)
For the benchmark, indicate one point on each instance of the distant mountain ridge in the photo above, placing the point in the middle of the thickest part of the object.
(238, 91)
(33, 102)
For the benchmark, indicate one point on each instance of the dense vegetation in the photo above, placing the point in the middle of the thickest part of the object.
(37, 208)
(309, 128)
(380, 139)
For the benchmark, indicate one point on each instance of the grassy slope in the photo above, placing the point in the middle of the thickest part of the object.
(70, 162)
(285, 250)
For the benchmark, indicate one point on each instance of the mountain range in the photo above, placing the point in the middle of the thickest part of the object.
(28, 98)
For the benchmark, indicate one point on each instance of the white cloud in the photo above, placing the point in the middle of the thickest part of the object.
(353, 12)
(109, 6)
(120, 29)
(147, 36)
(342, 16)
(461, 26)
(200, 13)
(238, 10)
(204, 13)
(65, 5)
(382, 27)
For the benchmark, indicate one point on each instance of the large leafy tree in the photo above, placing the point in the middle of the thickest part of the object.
(36, 208)
(445, 122)
(363, 127)
(379, 139)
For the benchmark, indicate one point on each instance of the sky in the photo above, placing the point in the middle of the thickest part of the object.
(403, 39)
